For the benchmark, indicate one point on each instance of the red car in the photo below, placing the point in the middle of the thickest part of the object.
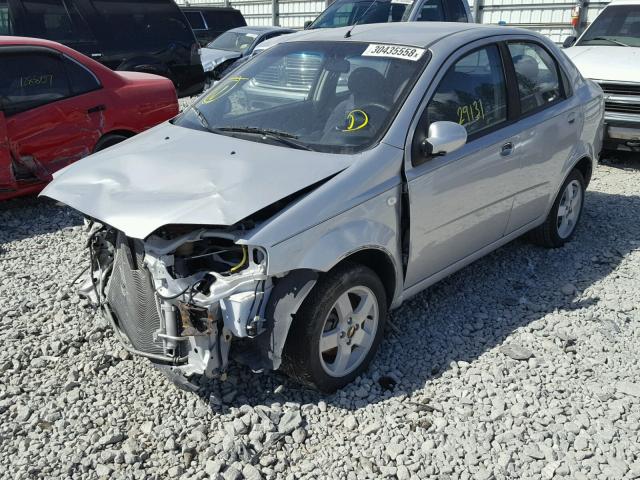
(57, 106)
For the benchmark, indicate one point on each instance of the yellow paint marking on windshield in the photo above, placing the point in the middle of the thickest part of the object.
(351, 117)
(219, 91)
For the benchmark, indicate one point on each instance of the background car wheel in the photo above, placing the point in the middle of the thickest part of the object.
(560, 225)
(338, 329)
(108, 141)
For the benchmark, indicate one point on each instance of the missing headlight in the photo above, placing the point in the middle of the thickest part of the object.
(209, 255)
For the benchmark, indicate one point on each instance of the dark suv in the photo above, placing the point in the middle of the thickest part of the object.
(145, 36)
(210, 22)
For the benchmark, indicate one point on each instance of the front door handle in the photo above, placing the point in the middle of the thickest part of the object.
(97, 108)
(506, 149)
(571, 118)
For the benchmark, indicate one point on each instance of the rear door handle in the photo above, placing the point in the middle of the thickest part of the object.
(506, 149)
(571, 118)
(97, 108)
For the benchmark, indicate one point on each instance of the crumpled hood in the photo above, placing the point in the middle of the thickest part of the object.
(211, 57)
(603, 62)
(175, 175)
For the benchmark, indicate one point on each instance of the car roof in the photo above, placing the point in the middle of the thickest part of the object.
(259, 29)
(416, 34)
(8, 41)
(33, 42)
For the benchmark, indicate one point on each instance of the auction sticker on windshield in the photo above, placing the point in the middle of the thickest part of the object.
(394, 51)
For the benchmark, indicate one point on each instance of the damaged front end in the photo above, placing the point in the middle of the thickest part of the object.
(182, 296)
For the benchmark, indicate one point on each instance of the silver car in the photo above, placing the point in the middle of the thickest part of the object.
(279, 233)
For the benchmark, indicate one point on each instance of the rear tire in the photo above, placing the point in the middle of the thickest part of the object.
(337, 330)
(560, 225)
(108, 141)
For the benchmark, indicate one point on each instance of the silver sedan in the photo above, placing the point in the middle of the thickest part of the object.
(326, 181)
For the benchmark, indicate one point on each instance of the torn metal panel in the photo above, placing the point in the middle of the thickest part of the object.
(286, 298)
(185, 181)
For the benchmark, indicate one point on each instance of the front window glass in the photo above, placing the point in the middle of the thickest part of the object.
(343, 13)
(30, 80)
(6, 25)
(615, 26)
(326, 96)
(472, 93)
(234, 41)
(537, 75)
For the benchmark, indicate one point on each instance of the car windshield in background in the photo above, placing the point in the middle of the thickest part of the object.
(330, 96)
(343, 13)
(616, 26)
(234, 41)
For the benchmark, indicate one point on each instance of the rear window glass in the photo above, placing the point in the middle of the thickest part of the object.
(224, 20)
(56, 20)
(150, 25)
(6, 25)
(457, 13)
(431, 11)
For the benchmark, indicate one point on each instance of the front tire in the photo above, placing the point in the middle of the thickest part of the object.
(560, 225)
(338, 329)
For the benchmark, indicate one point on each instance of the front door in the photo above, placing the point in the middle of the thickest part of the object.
(460, 202)
(53, 108)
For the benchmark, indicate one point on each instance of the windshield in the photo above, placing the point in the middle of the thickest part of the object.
(341, 14)
(326, 96)
(234, 41)
(615, 26)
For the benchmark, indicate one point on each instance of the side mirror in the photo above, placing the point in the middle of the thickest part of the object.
(443, 138)
(569, 41)
(307, 24)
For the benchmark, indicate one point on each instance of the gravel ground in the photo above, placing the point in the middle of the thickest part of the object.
(523, 365)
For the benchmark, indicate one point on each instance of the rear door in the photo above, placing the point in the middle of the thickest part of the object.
(53, 108)
(549, 121)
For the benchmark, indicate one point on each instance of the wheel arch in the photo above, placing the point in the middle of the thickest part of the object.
(380, 262)
(113, 133)
(585, 167)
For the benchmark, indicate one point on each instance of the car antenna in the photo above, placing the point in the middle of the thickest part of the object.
(348, 34)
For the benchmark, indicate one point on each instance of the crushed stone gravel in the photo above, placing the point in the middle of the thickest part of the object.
(523, 365)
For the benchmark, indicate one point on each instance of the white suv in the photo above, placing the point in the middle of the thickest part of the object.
(609, 53)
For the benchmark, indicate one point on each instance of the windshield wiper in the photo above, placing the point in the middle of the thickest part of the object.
(616, 42)
(283, 137)
(203, 120)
